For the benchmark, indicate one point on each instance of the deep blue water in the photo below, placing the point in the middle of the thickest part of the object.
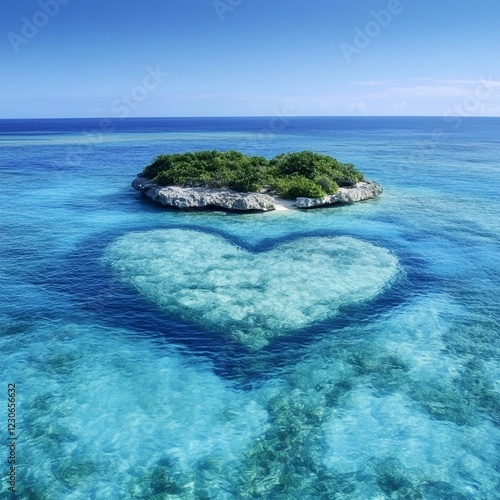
(133, 382)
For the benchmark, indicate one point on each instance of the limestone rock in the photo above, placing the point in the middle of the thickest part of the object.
(190, 197)
(187, 197)
(363, 190)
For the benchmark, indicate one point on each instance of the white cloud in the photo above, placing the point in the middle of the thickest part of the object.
(449, 81)
(356, 106)
(399, 105)
(430, 91)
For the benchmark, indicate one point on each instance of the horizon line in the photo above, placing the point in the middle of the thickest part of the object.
(234, 116)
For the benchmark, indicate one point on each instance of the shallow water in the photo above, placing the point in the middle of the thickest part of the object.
(251, 296)
(345, 352)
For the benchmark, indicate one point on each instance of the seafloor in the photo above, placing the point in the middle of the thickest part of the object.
(348, 352)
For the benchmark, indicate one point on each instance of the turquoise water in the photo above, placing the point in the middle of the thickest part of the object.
(340, 353)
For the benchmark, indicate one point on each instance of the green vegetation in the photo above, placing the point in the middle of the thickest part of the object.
(314, 166)
(290, 175)
(209, 168)
(294, 186)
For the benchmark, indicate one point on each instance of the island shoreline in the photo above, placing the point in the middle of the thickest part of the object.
(206, 197)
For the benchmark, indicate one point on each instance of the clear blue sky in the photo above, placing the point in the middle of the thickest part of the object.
(109, 58)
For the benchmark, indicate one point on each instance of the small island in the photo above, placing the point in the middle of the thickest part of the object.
(234, 181)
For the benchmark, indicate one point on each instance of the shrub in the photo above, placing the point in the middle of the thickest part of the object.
(209, 168)
(314, 165)
(291, 175)
(161, 163)
(297, 185)
(306, 163)
(328, 185)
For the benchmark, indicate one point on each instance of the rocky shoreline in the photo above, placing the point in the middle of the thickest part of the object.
(199, 197)
(360, 191)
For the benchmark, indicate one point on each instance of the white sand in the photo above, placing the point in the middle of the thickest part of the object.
(282, 204)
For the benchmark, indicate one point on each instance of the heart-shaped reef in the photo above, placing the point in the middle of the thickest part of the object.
(249, 296)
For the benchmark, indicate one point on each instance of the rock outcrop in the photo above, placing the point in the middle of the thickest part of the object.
(363, 190)
(198, 197)
(186, 197)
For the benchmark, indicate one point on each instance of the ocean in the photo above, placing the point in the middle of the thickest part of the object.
(348, 352)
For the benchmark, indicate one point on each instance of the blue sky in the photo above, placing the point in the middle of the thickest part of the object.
(112, 58)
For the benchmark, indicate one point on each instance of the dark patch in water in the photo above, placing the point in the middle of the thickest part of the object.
(96, 291)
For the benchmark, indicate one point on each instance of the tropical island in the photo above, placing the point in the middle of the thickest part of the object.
(235, 181)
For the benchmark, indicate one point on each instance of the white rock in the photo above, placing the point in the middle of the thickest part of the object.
(187, 197)
(363, 190)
